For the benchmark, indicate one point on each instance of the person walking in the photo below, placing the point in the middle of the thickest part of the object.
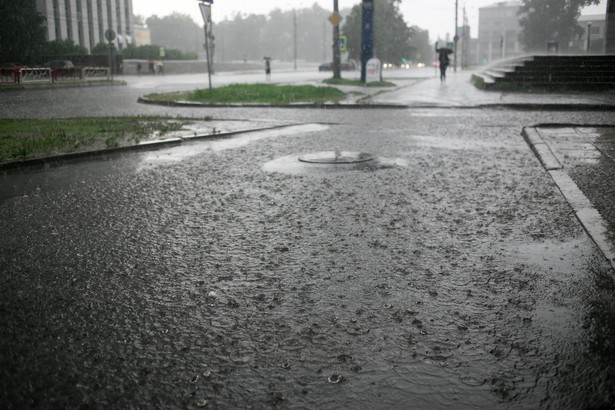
(268, 68)
(443, 60)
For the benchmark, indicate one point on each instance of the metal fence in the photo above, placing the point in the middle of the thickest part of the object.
(21, 75)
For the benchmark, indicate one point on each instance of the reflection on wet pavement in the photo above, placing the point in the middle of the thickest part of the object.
(454, 276)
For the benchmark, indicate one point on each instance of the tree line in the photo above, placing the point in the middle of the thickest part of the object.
(304, 33)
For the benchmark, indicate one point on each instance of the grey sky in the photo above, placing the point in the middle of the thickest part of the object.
(437, 16)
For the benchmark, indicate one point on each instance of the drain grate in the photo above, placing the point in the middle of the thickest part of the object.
(336, 157)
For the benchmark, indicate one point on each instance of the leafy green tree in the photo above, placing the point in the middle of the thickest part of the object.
(550, 20)
(150, 52)
(63, 48)
(391, 33)
(22, 31)
(421, 51)
(103, 48)
(176, 31)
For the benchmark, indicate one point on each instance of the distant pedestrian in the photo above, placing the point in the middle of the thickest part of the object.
(443, 60)
(139, 67)
(152, 68)
(159, 67)
(268, 68)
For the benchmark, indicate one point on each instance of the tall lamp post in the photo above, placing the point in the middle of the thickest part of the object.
(205, 6)
(589, 34)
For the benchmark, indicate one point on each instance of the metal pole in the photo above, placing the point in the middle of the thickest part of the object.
(456, 35)
(336, 45)
(111, 60)
(205, 7)
(207, 53)
(609, 41)
(589, 33)
(367, 36)
(295, 38)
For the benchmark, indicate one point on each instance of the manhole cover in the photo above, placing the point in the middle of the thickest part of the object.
(336, 157)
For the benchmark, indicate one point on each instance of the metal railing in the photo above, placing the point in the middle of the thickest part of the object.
(21, 75)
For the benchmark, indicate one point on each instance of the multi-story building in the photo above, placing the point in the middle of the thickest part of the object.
(86, 21)
(498, 31)
(595, 25)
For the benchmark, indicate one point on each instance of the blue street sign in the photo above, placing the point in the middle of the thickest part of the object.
(367, 35)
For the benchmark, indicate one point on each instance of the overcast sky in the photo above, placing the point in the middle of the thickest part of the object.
(437, 16)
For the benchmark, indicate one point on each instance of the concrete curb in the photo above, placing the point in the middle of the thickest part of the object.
(190, 104)
(146, 145)
(586, 213)
(366, 105)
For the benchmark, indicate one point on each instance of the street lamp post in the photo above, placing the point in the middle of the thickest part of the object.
(589, 34)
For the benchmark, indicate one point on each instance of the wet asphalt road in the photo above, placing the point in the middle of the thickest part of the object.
(448, 273)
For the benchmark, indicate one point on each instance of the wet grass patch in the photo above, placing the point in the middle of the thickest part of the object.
(22, 139)
(255, 94)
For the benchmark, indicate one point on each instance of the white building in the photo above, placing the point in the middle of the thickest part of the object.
(596, 23)
(498, 31)
(86, 21)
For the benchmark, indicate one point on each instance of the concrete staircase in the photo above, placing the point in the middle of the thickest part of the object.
(550, 73)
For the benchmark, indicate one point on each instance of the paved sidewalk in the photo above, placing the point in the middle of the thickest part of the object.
(459, 92)
(581, 161)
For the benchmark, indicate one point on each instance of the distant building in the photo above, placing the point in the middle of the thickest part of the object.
(142, 36)
(597, 29)
(85, 21)
(498, 31)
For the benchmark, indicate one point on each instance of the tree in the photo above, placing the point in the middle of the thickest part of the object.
(391, 33)
(22, 31)
(62, 48)
(421, 51)
(176, 31)
(550, 20)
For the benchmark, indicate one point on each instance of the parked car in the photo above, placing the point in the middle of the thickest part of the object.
(53, 64)
(344, 66)
(327, 66)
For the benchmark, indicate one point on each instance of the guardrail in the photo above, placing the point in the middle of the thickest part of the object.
(20, 75)
(32, 74)
(9, 76)
(95, 72)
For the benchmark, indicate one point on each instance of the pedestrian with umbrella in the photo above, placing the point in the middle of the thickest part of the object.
(443, 60)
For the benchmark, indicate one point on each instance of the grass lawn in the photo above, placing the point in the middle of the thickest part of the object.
(256, 94)
(26, 138)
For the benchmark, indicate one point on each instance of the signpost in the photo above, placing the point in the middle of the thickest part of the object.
(335, 19)
(205, 6)
(367, 35)
(110, 36)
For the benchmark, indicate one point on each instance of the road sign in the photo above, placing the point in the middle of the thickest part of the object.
(205, 12)
(162, 52)
(335, 18)
(343, 43)
(110, 35)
